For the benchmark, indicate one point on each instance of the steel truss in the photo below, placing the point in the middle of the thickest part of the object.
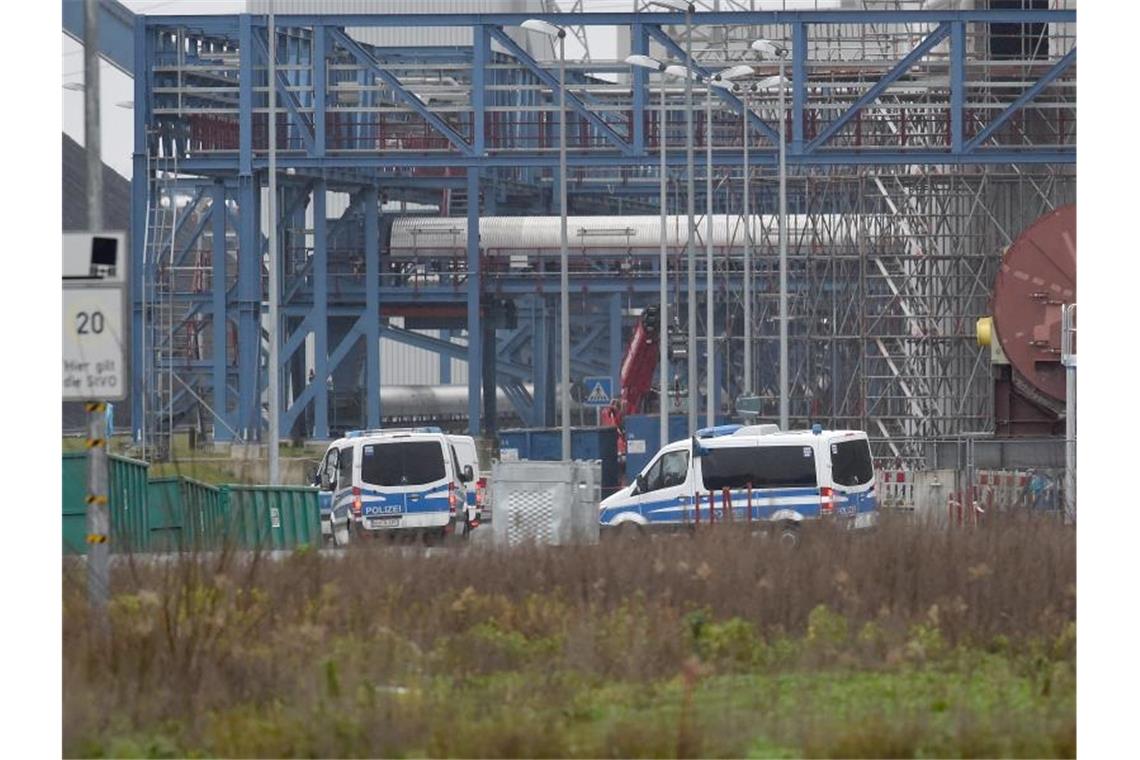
(922, 149)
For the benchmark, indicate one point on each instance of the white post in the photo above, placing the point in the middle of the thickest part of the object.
(565, 284)
(692, 256)
(98, 511)
(747, 250)
(1069, 359)
(663, 309)
(710, 364)
(783, 262)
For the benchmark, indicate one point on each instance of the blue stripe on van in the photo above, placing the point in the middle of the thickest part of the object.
(805, 501)
(433, 499)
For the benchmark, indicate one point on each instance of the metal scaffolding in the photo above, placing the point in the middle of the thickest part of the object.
(920, 143)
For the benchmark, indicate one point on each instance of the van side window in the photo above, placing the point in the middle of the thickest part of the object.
(344, 468)
(762, 466)
(670, 470)
(328, 469)
(455, 464)
(851, 463)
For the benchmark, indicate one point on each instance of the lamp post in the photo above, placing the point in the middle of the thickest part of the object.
(781, 53)
(551, 30)
(725, 80)
(722, 79)
(689, 9)
(653, 64)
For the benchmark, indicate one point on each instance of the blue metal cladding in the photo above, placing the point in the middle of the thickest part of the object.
(586, 443)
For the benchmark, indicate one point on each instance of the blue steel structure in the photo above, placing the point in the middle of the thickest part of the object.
(473, 129)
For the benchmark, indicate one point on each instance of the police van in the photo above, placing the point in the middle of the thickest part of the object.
(754, 472)
(396, 480)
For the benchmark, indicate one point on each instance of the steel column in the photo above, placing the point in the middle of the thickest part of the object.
(490, 380)
(445, 360)
(799, 85)
(616, 342)
(372, 306)
(140, 203)
(639, 44)
(474, 325)
(319, 314)
(320, 89)
(249, 251)
(219, 337)
(957, 83)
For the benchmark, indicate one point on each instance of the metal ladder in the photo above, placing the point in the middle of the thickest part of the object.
(158, 311)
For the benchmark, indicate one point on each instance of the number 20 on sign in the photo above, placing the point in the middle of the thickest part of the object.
(93, 344)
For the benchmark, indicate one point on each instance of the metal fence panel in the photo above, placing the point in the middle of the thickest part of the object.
(127, 501)
(551, 503)
(271, 517)
(184, 514)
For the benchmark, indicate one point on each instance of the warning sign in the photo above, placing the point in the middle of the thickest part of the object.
(599, 391)
(94, 316)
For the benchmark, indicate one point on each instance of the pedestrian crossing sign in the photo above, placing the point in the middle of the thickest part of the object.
(599, 391)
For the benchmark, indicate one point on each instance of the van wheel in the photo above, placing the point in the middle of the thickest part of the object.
(340, 535)
(629, 532)
(789, 535)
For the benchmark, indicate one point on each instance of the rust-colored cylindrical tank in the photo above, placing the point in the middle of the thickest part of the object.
(1038, 274)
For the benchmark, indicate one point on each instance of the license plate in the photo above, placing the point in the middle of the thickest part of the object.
(865, 520)
(383, 522)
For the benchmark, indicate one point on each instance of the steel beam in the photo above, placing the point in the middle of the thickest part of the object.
(117, 29)
(1057, 69)
(292, 105)
(734, 102)
(877, 89)
(822, 157)
(556, 87)
(371, 64)
(219, 24)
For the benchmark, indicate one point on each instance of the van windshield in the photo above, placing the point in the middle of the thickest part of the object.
(403, 463)
(759, 466)
(851, 463)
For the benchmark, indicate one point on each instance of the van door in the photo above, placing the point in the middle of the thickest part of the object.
(852, 479)
(326, 480)
(405, 483)
(669, 489)
(383, 498)
(342, 498)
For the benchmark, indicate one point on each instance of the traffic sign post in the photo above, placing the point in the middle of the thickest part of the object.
(95, 372)
(598, 391)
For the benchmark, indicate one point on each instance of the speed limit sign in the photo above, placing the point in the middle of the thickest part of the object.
(94, 317)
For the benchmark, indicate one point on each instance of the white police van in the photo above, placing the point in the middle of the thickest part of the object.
(395, 480)
(755, 472)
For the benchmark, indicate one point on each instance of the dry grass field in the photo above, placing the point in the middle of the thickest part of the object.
(905, 642)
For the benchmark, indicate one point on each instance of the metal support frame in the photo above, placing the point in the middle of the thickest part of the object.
(953, 228)
(572, 100)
